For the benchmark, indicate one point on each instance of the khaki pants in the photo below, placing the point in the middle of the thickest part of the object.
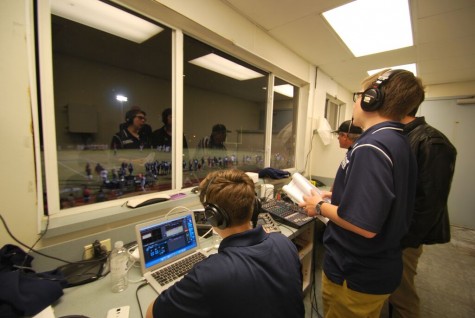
(340, 301)
(404, 302)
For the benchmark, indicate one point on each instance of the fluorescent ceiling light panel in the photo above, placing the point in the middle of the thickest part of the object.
(286, 90)
(372, 26)
(407, 67)
(225, 67)
(121, 98)
(107, 18)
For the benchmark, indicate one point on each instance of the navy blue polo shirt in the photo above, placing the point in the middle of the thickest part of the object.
(374, 189)
(254, 274)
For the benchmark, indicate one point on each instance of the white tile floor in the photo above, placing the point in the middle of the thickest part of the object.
(445, 280)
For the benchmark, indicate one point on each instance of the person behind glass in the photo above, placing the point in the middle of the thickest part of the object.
(254, 273)
(372, 200)
(134, 133)
(161, 139)
(347, 134)
(430, 223)
(216, 139)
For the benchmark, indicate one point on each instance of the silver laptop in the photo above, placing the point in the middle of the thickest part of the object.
(168, 248)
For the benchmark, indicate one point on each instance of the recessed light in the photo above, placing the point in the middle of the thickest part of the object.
(372, 26)
(223, 66)
(107, 18)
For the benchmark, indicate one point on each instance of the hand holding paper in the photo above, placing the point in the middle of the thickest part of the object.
(298, 187)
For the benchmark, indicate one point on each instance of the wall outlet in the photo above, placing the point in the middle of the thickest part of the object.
(89, 249)
(107, 244)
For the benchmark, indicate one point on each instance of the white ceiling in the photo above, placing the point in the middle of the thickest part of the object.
(444, 38)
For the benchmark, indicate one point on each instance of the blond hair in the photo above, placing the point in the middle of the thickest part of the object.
(231, 190)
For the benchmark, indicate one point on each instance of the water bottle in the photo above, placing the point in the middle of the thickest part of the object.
(118, 267)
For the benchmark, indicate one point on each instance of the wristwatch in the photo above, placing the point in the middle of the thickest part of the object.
(318, 207)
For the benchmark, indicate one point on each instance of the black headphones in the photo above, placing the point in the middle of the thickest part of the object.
(372, 98)
(256, 211)
(218, 217)
(131, 114)
(215, 216)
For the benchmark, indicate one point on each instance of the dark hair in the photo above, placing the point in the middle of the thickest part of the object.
(130, 115)
(167, 112)
(413, 112)
(219, 128)
(232, 190)
(403, 92)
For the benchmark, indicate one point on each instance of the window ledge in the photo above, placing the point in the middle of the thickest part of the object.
(73, 222)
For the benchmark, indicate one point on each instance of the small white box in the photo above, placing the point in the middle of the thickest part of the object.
(267, 191)
(254, 176)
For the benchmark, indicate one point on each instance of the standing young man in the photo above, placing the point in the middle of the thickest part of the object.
(161, 138)
(372, 200)
(430, 223)
(254, 273)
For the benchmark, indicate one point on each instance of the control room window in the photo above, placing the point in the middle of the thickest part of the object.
(333, 111)
(284, 126)
(96, 83)
(110, 89)
(223, 111)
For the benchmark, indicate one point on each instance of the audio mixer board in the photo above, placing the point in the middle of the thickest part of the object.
(287, 213)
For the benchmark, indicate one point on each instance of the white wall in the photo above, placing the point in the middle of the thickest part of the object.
(450, 89)
(17, 166)
(324, 159)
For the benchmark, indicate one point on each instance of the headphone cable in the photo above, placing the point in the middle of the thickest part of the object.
(32, 249)
(204, 235)
(173, 211)
(137, 296)
(36, 242)
(313, 292)
(309, 151)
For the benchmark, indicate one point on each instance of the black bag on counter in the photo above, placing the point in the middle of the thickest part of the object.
(22, 291)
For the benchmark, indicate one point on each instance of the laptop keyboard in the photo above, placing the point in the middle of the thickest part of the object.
(178, 269)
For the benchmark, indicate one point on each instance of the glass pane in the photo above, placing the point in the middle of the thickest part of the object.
(109, 94)
(224, 117)
(284, 119)
(332, 112)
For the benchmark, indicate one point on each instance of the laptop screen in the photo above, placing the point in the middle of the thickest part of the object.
(166, 240)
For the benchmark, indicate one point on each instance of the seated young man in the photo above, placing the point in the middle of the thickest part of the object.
(254, 273)
(134, 133)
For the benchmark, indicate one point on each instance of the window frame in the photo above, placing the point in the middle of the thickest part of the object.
(334, 111)
(77, 218)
